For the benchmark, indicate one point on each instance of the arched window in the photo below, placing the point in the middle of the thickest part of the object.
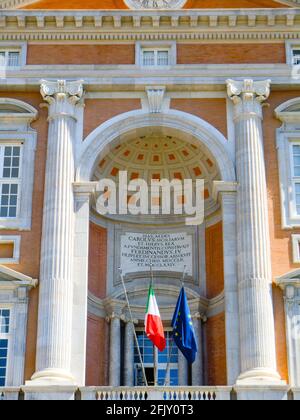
(17, 149)
(288, 146)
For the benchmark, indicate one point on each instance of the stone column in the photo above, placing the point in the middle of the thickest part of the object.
(197, 367)
(257, 331)
(129, 354)
(54, 347)
(183, 370)
(115, 350)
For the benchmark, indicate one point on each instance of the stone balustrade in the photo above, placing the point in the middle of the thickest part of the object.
(157, 394)
(164, 394)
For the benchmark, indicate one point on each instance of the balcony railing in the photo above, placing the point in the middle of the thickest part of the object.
(157, 393)
(164, 394)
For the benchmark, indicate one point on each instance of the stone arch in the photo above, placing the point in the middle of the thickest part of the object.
(194, 127)
(17, 108)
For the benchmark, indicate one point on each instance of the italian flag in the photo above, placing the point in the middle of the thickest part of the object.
(153, 323)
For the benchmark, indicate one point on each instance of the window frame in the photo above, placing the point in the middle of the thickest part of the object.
(8, 51)
(15, 130)
(10, 180)
(14, 295)
(287, 136)
(16, 241)
(291, 46)
(25, 182)
(294, 179)
(156, 52)
(296, 248)
(20, 47)
(141, 47)
(7, 336)
(172, 366)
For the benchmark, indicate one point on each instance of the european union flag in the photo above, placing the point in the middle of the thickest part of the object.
(183, 329)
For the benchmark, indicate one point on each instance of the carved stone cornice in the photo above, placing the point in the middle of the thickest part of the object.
(132, 25)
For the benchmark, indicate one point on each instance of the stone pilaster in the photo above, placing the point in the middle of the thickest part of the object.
(226, 194)
(83, 191)
(129, 354)
(257, 331)
(56, 278)
(197, 367)
(291, 288)
(183, 370)
(115, 350)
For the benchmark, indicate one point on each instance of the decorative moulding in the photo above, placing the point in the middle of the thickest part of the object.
(156, 95)
(131, 25)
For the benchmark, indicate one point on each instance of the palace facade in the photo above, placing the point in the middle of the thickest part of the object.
(174, 89)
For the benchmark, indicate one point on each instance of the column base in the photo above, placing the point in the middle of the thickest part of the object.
(52, 377)
(34, 392)
(262, 393)
(261, 377)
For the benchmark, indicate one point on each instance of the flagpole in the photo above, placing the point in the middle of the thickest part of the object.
(134, 331)
(171, 348)
(154, 351)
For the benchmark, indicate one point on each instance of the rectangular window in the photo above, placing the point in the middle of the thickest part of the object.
(10, 58)
(10, 171)
(4, 342)
(296, 57)
(155, 58)
(168, 356)
(297, 197)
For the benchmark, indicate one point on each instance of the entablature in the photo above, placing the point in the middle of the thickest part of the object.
(134, 25)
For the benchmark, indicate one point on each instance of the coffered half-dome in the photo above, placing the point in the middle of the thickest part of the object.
(156, 154)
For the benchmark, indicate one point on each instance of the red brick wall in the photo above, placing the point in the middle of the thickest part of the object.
(281, 244)
(122, 54)
(211, 110)
(231, 53)
(214, 261)
(80, 54)
(216, 350)
(30, 241)
(97, 351)
(97, 261)
(97, 111)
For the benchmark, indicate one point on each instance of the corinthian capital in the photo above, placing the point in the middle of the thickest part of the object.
(248, 90)
(62, 90)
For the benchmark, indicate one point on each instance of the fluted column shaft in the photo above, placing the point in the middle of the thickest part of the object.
(115, 351)
(56, 287)
(129, 355)
(257, 331)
